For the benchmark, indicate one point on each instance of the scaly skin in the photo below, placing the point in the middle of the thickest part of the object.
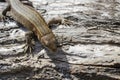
(32, 20)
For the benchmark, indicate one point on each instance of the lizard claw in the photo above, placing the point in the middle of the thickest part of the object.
(66, 22)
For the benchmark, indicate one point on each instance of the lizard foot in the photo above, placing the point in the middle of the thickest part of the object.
(59, 21)
(29, 42)
(3, 19)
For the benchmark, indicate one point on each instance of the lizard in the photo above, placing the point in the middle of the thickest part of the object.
(32, 20)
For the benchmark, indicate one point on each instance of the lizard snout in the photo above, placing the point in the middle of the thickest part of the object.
(49, 42)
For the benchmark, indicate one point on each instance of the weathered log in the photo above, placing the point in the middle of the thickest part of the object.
(88, 48)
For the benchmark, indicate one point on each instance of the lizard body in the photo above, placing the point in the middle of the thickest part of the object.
(31, 19)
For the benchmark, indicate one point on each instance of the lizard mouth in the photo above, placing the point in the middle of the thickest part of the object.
(52, 48)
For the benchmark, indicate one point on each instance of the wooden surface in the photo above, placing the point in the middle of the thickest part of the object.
(88, 49)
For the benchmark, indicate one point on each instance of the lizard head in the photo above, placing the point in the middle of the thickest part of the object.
(49, 42)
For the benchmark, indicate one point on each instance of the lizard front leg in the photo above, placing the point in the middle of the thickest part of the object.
(29, 42)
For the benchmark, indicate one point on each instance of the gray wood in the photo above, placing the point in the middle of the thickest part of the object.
(88, 49)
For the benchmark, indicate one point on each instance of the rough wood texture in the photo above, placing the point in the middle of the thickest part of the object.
(88, 48)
